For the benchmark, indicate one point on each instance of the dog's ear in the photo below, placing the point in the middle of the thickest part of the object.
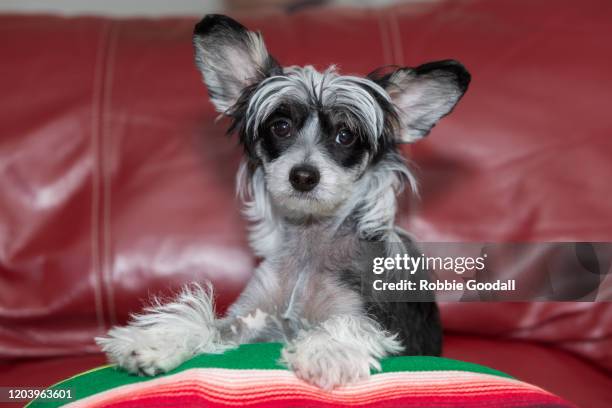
(423, 95)
(230, 58)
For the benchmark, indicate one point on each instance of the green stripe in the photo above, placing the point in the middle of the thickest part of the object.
(262, 356)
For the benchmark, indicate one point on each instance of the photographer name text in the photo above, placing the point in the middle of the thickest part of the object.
(444, 285)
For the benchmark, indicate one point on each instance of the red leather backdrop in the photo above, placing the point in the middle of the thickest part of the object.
(116, 183)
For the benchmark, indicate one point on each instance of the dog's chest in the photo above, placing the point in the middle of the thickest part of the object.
(308, 267)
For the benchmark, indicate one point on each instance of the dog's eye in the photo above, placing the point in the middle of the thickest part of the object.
(281, 128)
(345, 137)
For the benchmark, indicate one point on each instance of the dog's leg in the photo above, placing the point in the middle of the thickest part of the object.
(248, 328)
(166, 334)
(339, 351)
(252, 317)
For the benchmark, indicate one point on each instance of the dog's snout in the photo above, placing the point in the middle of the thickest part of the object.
(304, 177)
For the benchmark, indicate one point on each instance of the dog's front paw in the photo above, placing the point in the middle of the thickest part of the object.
(140, 352)
(327, 364)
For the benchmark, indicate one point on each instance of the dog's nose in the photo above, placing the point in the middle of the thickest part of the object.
(304, 177)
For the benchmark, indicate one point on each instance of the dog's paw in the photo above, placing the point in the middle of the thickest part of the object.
(140, 352)
(327, 364)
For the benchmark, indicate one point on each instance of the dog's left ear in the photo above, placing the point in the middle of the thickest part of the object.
(423, 95)
(230, 58)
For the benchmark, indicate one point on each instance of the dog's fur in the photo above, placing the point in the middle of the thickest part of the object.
(312, 228)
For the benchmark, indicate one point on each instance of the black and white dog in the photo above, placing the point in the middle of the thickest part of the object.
(320, 177)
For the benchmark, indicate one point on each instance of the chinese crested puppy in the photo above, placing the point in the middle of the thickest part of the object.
(320, 177)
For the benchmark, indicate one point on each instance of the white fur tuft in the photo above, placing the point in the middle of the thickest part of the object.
(339, 351)
(166, 334)
(375, 197)
(263, 231)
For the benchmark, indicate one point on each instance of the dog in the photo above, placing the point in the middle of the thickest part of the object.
(320, 178)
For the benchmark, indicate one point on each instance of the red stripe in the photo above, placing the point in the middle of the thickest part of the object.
(197, 400)
(277, 390)
(191, 394)
(247, 394)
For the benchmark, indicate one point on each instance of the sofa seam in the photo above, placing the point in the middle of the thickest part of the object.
(397, 39)
(98, 86)
(384, 38)
(107, 144)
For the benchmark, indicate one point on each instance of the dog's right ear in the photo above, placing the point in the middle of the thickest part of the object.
(230, 58)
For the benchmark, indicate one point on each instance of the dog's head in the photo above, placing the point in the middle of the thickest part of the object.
(314, 133)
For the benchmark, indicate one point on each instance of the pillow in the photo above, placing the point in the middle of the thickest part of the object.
(250, 375)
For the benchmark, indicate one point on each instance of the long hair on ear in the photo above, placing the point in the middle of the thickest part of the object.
(230, 58)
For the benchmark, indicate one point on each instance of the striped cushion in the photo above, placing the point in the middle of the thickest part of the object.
(250, 376)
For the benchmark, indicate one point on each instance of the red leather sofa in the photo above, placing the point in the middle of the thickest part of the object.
(117, 183)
